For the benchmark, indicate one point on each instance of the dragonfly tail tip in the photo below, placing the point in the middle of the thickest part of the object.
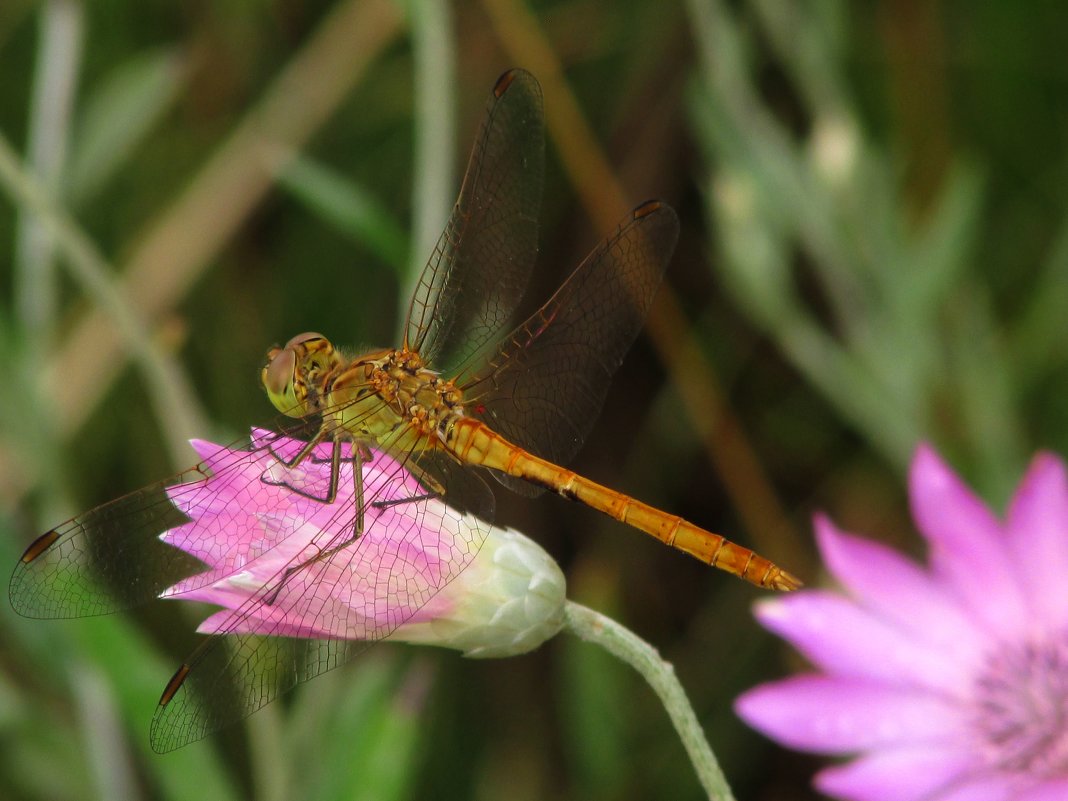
(786, 582)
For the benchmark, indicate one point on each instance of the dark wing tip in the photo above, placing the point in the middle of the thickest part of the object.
(177, 680)
(39, 546)
(164, 735)
(504, 82)
(647, 207)
(510, 77)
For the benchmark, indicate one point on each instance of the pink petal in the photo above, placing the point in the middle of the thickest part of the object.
(1052, 790)
(212, 594)
(286, 447)
(235, 482)
(186, 537)
(223, 622)
(229, 540)
(899, 774)
(248, 530)
(897, 590)
(190, 498)
(210, 454)
(844, 639)
(1038, 534)
(967, 546)
(991, 787)
(843, 716)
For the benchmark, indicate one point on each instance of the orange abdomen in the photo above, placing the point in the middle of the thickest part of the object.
(473, 442)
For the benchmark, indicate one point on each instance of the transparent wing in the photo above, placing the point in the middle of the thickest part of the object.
(546, 383)
(115, 556)
(480, 266)
(300, 615)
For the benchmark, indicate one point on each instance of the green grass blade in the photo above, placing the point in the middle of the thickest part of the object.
(118, 115)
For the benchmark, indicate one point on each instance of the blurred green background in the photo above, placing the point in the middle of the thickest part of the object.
(874, 251)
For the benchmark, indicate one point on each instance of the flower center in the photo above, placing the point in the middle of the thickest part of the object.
(1022, 710)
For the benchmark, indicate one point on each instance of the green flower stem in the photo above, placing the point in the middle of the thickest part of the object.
(54, 87)
(622, 643)
(434, 130)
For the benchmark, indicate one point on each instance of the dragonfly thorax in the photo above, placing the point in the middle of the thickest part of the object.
(377, 392)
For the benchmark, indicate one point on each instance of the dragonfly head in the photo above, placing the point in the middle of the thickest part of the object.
(294, 373)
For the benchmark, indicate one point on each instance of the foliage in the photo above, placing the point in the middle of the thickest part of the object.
(874, 252)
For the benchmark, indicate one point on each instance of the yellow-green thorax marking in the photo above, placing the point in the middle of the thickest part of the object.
(368, 398)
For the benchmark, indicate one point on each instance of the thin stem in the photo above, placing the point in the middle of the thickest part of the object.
(36, 288)
(433, 179)
(104, 738)
(55, 79)
(594, 627)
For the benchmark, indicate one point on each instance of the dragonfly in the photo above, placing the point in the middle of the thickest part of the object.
(456, 401)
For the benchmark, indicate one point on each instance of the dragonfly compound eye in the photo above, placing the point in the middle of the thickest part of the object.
(278, 377)
(310, 339)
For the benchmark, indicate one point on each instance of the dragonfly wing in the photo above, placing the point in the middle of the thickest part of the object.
(107, 559)
(310, 614)
(131, 550)
(545, 385)
(479, 269)
(115, 556)
(229, 678)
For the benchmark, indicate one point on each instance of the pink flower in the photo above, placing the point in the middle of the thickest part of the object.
(417, 570)
(947, 683)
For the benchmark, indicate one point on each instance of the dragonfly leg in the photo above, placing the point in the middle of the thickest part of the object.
(301, 455)
(364, 455)
(424, 478)
(426, 496)
(357, 525)
(360, 454)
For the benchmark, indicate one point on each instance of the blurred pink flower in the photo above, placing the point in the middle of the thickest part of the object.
(405, 576)
(947, 683)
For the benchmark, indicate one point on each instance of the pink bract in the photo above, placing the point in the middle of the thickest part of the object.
(421, 571)
(944, 683)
